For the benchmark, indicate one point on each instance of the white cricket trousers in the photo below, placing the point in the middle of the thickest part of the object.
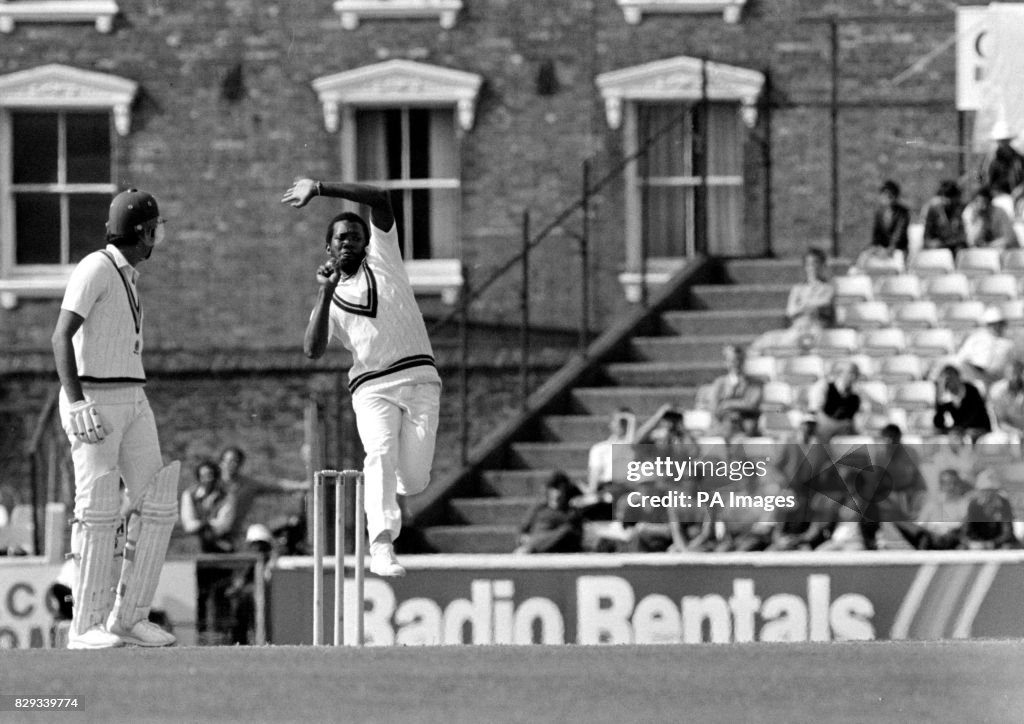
(131, 447)
(398, 428)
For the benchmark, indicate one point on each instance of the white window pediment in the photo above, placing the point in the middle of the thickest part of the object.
(399, 83)
(61, 86)
(635, 9)
(99, 12)
(352, 11)
(680, 79)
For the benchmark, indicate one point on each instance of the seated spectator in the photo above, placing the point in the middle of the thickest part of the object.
(984, 353)
(989, 521)
(208, 510)
(648, 528)
(809, 309)
(1002, 167)
(1006, 398)
(835, 402)
(247, 489)
(892, 221)
(604, 482)
(942, 219)
(904, 488)
(735, 398)
(959, 407)
(553, 526)
(664, 435)
(986, 224)
(939, 524)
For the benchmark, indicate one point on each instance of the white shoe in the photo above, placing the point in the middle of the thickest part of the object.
(144, 633)
(383, 561)
(96, 637)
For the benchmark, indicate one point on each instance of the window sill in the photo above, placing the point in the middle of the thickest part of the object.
(436, 276)
(635, 9)
(353, 11)
(658, 272)
(99, 12)
(46, 286)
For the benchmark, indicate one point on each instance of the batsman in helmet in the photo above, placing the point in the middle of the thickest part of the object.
(118, 541)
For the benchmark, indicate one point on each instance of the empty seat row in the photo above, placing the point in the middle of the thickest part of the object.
(951, 287)
(974, 261)
(964, 314)
(927, 343)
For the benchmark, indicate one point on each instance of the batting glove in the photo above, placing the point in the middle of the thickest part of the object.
(85, 423)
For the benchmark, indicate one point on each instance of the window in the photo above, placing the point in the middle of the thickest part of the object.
(58, 132)
(400, 124)
(412, 152)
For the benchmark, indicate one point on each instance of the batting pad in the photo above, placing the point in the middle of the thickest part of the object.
(149, 532)
(92, 545)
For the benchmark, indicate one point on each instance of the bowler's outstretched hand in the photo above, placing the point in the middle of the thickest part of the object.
(300, 193)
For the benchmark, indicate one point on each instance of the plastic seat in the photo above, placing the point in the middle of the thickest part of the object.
(873, 422)
(919, 314)
(901, 288)
(866, 365)
(900, 368)
(777, 396)
(760, 368)
(801, 370)
(1013, 310)
(995, 288)
(920, 422)
(1012, 262)
(698, 421)
(998, 446)
(947, 288)
(864, 315)
(961, 315)
(930, 343)
(873, 393)
(979, 261)
(839, 342)
(917, 395)
(928, 262)
(887, 341)
(852, 288)
(777, 423)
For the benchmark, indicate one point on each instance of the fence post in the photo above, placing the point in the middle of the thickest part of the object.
(584, 338)
(524, 310)
(464, 368)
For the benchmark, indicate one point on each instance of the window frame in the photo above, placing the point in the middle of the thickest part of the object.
(52, 89)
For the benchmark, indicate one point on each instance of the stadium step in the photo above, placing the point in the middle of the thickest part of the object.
(722, 322)
(472, 538)
(555, 455)
(573, 428)
(523, 483)
(643, 401)
(740, 296)
(685, 348)
(492, 511)
(642, 374)
(775, 271)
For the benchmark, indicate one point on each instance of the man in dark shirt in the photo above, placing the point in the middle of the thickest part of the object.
(959, 407)
(553, 526)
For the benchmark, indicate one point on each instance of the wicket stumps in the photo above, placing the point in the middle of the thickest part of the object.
(340, 478)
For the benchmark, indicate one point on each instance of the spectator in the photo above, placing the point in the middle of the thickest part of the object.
(208, 510)
(553, 526)
(809, 309)
(1006, 398)
(940, 522)
(984, 353)
(604, 482)
(986, 224)
(942, 219)
(989, 521)
(1002, 168)
(835, 402)
(892, 220)
(247, 489)
(665, 434)
(959, 407)
(735, 398)
(648, 528)
(905, 489)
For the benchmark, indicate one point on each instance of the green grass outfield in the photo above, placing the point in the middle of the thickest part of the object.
(981, 681)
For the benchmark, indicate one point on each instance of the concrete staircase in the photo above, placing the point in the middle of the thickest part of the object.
(663, 363)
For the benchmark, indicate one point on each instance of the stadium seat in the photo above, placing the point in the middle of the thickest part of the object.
(777, 396)
(873, 393)
(961, 315)
(873, 421)
(916, 395)
(698, 421)
(928, 262)
(777, 423)
(838, 342)
(801, 370)
(931, 343)
(920, 422)
(995, 288)
(918, 314)
(864, 315)
(901, 288)
(947, 288)
(840, 445)
(900, 368)
(760, 368)
(852, 288)
(866, 365)
(1013, 262)
(1013, 310)
(978, 261)
(887, 341)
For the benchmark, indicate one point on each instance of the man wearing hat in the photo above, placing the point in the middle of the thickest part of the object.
(97, 345)
(984, 352)
(1003, 167)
